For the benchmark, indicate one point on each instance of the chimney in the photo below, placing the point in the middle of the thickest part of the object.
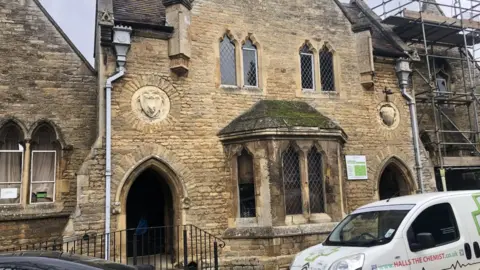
(431, 6)
(178, 16)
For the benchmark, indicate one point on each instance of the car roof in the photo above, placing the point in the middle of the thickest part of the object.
(69, 257)
(419, 198)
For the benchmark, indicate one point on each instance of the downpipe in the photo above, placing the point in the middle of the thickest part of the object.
(121, 43)
(108, 154)
(416, 144)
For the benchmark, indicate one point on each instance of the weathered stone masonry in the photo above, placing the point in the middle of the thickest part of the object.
(44, 80)
(186, 138)
(181, 139)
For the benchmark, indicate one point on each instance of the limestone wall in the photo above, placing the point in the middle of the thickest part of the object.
(199, 107)
(32, 233)
(43, 78)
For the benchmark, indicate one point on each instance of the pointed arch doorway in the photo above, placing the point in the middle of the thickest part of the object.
(150, 198)
(149, 214)
(395, 180)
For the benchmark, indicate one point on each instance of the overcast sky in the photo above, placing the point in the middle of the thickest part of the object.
(77, 18)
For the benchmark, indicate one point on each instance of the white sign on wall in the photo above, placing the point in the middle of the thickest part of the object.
(8, 193)
(356, 167)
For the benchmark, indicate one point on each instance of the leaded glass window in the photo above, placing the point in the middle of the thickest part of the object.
(307, 70)
(228, 62)
(250, 64)
(291, 182)
(315, 181)
(327, 75)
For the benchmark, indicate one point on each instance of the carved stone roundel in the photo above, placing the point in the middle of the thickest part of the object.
(389, 115)
(151, 104)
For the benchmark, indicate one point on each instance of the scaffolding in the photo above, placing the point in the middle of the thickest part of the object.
(434, 30)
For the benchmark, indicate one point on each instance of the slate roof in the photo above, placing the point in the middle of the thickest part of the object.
(151, 12)
(272, 114)
(385, 42)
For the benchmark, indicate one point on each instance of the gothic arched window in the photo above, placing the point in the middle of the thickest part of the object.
(327, 72)
(291, 182)
(43, 164)
(246, 185)
(11, 164)
(442, 80)
(315, 181)
(250, 64)
(307, 68)
(228, 65)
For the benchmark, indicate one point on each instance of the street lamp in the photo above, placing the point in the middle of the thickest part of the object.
(121, 43)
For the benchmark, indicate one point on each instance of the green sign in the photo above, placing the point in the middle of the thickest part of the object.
(356, 167)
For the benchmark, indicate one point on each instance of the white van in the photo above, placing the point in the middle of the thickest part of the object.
(432, 231)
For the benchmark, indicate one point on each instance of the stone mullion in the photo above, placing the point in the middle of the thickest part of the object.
(24, 193)
(304, 185)
(316, 72)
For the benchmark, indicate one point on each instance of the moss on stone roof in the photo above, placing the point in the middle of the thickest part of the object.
(267, 114)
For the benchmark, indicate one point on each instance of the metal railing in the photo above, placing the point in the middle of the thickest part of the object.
(166, 247)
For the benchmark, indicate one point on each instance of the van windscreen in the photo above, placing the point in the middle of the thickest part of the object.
(367, 228)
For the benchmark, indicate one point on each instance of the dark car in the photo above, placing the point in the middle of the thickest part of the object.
(56, 260)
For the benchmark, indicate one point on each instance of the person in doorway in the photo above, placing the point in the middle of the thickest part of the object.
(142, 226)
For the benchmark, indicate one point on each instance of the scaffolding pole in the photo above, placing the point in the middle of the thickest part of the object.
(456, 31)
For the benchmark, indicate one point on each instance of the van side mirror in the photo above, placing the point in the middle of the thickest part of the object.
(425, 240)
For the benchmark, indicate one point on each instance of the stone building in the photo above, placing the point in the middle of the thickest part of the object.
(48, 121)
(238, 117)
(444, 81)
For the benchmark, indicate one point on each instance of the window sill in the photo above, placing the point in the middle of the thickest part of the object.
(32, 211)
(279, 231)
(246, 222)
(320, 218)
(319, 94)
(245, 90)
(292, 220)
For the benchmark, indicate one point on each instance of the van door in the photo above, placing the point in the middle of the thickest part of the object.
(433, 239)
(468, 207)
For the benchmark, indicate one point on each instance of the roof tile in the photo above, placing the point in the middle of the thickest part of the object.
(268, 114)
(139, 11)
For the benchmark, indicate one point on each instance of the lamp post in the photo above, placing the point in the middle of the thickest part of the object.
(403, 71)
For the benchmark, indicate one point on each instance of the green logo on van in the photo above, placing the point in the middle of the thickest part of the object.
(323, 253)
(476, 213)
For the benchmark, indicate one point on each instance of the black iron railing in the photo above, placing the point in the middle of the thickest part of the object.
(172, 247)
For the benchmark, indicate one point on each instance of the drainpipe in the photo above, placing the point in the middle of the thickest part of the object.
(403, 71)
(121, 42)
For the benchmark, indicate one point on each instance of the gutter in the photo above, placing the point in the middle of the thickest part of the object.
(158, 27)
(121, 42)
